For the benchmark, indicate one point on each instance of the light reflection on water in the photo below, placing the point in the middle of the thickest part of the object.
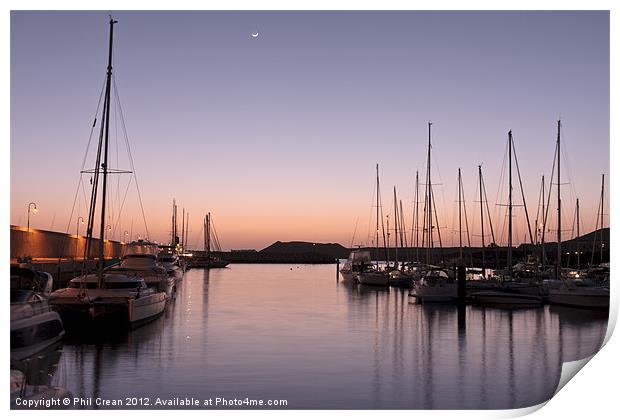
(293, 332)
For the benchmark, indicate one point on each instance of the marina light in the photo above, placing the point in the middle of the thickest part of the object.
(31, 210)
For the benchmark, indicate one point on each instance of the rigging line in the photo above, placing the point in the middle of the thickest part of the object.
(567, 166)
(95, 183)
(354, 231)
(498, 198)
(540, 195)
(465, 214)
(598, 215)
(133, 169)
(118, 220)
(216, 237)
(527, 216)
(437, 222)
(90, 136)
(546, 216)
(370, 212)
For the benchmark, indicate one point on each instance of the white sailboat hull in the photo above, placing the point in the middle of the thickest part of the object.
(374, 279)
(438, 293)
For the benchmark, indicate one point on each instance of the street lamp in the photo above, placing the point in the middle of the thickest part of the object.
(80, 220)
(34, 210)
(109, 229)
(125, 234)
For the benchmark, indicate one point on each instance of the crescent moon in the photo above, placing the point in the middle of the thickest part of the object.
(255, 35)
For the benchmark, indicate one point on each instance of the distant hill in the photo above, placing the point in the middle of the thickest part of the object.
(298, 248)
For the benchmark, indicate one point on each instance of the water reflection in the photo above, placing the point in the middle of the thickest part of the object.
(274, 331)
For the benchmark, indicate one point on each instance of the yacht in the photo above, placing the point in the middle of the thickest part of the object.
(34, 325)
(435, 286)
(113, 298)
(171, 264)
(374, 278)
(358, 262)
(147, 267)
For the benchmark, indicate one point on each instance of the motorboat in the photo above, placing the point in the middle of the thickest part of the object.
(113, 298)
(147, 267)
(171, 263)
(34, 325)
(359, 261)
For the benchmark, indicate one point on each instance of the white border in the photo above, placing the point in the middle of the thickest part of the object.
(592, 394)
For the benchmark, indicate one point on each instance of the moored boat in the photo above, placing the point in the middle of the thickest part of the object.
(435, 287)
(34, 325)
(113, 298)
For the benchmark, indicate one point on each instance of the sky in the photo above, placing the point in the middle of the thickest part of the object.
(278, 136)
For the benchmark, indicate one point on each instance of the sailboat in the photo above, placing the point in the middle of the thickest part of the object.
(570, 292)
(435, 285)
(207, 259)
(106, 297)
(376, 277)
(510, 291)
(398, 277)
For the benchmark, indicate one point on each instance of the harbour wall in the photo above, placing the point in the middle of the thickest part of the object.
(45, 244)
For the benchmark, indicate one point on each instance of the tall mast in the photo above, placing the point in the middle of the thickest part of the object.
(460, 222)
(544, 228)
(510, 202)
(403, 233)
(602, 212)
(183, 229)
(578, 247)
(396, 217)
(186, 232)
(481, 216)
(559, 256)
(104, 165)
(429, 201)
(204, 232)
(209, 233)
(417, 218)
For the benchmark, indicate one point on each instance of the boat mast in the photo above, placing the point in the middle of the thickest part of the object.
(183, 229)
(460, 222)
(559, 256)
(396, 217)
(204, 233)
(429, 199)
(209, 234)
(403, 234)
(578, 247)
(417, 218)
(104, 165)
(510, 203)
(377, 227)
(602, 213)
(481, 217)
(544, 228)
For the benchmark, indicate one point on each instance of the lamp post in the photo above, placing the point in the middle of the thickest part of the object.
(109, 228)
(34, 210)
(125, 236)
(80, 220)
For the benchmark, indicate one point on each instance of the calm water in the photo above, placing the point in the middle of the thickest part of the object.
(294, 333)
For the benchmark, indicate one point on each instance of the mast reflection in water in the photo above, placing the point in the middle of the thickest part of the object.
(282, 332)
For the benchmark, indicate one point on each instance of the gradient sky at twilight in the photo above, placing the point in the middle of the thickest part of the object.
(278, 136)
